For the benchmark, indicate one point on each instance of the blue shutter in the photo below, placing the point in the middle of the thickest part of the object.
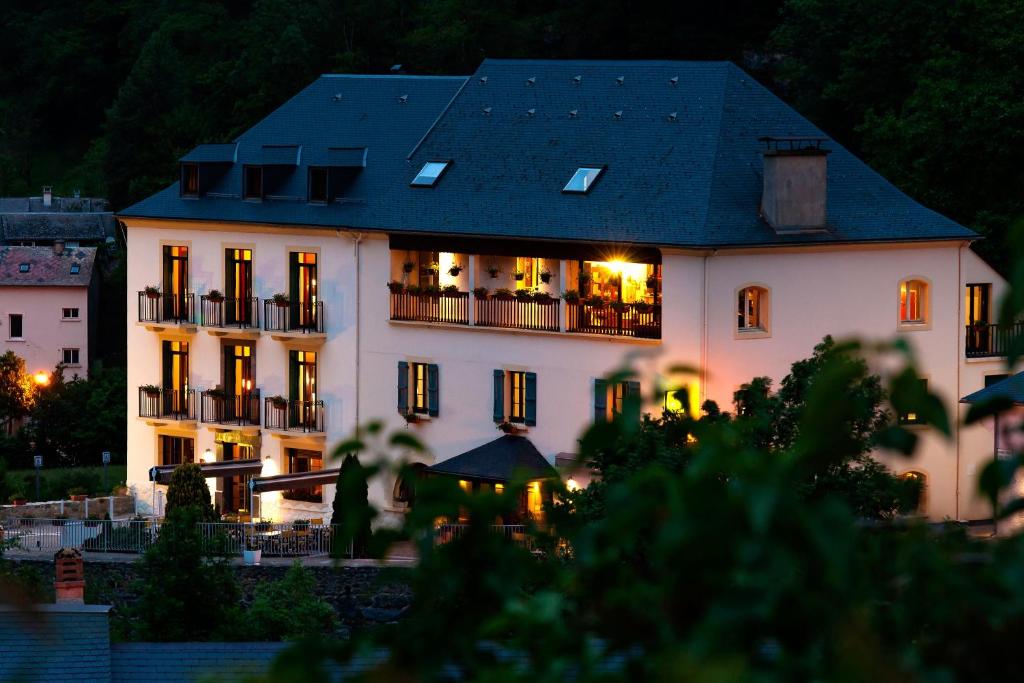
(403, 387)
(600, 400)
(633, 388)
(433, 400)
(499, 396)
(531, 399)
(632, 401)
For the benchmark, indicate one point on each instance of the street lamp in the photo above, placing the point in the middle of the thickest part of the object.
(41, 378)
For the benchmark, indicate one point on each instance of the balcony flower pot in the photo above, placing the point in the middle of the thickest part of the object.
(493, 271)
(595, 302)
(280, 300)
(78, 498)
(509, 427)
(215, 296)
(519, 275)
(430, 291)
(652, 282)
(396, 287)
(455, 270)
(432, 269)
(410, 417)
(480, 292)
(643, 307)
(523, 295)
(619, 306)
(279, 401)
(450, 290)
(150, 390)
(408, 267)
(543, 298)
(504, 294)
(252, 557)
(152, 292)
(545, 276)
(571, 296)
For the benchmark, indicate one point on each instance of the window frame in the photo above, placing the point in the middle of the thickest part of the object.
(326, 181)
(24, 267)
(162, 451)
(445, 165)
(65, 309)
(21, 326)
(516, 395)
(599, 169)
(419, 397)
(76, 268)
(246, 170)
(924, 322)
(76, 352)
(763, 329)
(316, 494)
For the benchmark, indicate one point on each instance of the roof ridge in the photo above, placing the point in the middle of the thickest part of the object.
(438, 119)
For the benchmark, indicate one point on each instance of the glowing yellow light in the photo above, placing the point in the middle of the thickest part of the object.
(572, 485)
(42, 378)
(499, 488)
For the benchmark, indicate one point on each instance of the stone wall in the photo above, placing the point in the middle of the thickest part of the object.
(124, 506)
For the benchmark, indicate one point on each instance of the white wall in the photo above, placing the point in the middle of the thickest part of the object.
(44, 331)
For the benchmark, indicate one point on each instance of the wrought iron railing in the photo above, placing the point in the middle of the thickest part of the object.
(293, 316)
(433, 307)
(626, 320)
(236, 409)
(523, 314)
(294, 415)
(516, 533)
(991, 340)
(240, 312)
(159, 307)
(174, 404)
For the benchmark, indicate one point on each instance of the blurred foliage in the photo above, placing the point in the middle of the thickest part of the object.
(17, 391)
(289, 609)
(350, 516)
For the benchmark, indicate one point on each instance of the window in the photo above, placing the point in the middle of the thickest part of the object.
(913, 302)
(912, 418)
(979, 334)
(318, 185)
(300, 461)
(619, 280)
(75, 269)
(994, 379)
(176, 450)
(677, 400)
(24, 267)
(613, 399)
(751, 304)
(418, 389)
(920, 483)
(69, 356)
(515, 397)
(253, 182)
(69, 313)
(190, 180)
(14, 322)
(430, 174)
(582, 180)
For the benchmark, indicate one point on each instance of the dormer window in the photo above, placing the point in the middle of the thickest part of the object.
(24, 267)
(253, 182)
(190, 180)
(75, 269)
(430, 174)
(582, 180)
(318, 185)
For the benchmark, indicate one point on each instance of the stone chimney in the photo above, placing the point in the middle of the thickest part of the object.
(58, 247)
(70, 582)
(795, 184)
(47, 196)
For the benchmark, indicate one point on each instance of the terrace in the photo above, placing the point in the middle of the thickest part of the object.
(159, 310)
(222, 315)
(162, 404)
(239, 410)
(991, 340)
(287, 416)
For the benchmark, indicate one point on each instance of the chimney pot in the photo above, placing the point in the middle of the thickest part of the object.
(47, 195)
(58, 247)
(70, 571)
(795, 184)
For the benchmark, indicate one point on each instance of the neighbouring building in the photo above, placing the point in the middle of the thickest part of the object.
(398, 248)
(43, 220)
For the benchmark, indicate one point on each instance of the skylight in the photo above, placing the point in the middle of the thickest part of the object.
(429, 174)
(582, 180)
(75, 268)
(23, 267)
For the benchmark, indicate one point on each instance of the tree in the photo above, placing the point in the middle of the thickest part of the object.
(289, 609)
(17, 391)
(188, 490)
(351, 518)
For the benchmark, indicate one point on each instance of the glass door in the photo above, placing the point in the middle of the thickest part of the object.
(978, 330)
(236, 489)
(175, 377)
(239, 380)
(175, 282)
(302, 389)
(303, 290)
(238, 287)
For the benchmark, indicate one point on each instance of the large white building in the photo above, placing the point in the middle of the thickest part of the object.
(382, 247)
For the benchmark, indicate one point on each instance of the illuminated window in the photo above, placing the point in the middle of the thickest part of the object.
(922, 488)
(677, 400)
(582, 180)
(912, 418)
(190, 180)
(419, 391)
(913, 302)
(430, 174)
(751, 303)
(176, 450)
(619, 280)
(517, 396)
(299, 462)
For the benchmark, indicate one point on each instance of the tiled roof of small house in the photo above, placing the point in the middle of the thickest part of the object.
(45, 267)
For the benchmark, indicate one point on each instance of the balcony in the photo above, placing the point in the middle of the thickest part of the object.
(638, 320)
(235, 410)
(286, 319)
(159, 311)
(160, 406)
(991, 340)
(293, 417)
(519, 311)
(223, 316)
(430, 305)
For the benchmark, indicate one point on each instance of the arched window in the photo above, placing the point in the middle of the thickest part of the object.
(405, 488)
(752, 309)
(921, 482)
(913, 302)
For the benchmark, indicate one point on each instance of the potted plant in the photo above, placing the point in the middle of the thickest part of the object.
(493, 270)
(415, 290)
(519, 275)
(77, 494)
(545, 276)
(584, 279)
(652, 281)
(150, 389)
(430, 290)
(509, 427)
(455, 270)
(504, 294)
(542, 297)
(410, 417)
(450, 290)
(571, 296)
(480, 292)
(396, 287)
(279, 401)
(432, 269)
(408, 267)
(595, 302)
(253, 551)
(643, 307)
(215, 295)
(280, 299)
(523, 295)
(152, 291)
(619, 306)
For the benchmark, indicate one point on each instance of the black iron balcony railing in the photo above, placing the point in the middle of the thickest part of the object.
(432, 307)
(293, 316)
(172, 404)
(991, 340)
(158, 307)
(234, 409)
(523, 314)
(240, 312)
(639, 320)
(293, 415)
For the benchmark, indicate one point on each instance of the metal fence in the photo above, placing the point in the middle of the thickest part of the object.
(445, 533)
(444, 307)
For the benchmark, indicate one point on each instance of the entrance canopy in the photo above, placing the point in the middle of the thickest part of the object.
(161, 474)
(1009, 390)
(294, 481)
(498, 460)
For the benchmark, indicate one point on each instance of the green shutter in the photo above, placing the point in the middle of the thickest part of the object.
(433, 399)
(531, 399)
(600, 400)
(631, 402)
(499, 395)
(293, 375)
(403, 387)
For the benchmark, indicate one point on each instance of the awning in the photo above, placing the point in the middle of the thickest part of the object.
(213, 154)
(278, 155)
(498, 460)
(339, 157)
(1011, 388)
(161, 474)
(291, 482)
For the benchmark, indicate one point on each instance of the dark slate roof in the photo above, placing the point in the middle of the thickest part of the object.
(679, 139)
(278, 155)
(1011, 388)
(46, 267)
(498, 460)
(225, 153)
(54, 226)
(55, 642)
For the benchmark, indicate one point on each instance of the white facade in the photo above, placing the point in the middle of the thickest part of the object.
(811, 292)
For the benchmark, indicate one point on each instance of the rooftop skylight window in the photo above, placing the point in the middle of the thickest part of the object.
(582, 180)
(430, 174)
(75, 269)
(24, 267)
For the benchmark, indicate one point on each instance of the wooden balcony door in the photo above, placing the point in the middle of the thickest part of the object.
(175, 281)
(174, 364)
(302, 387)
(303, 289)
(237, 286)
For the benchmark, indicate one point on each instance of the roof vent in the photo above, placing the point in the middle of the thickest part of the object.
(487, 111)
(404, 99)
(396, 68)
(577, 79)
(336, 97)
(531, 80)
(795, 183)
(674, 80)
(620, 80)
(531, 112)
(573, 113)
(673, 116)
(483, 80)
(618, 114)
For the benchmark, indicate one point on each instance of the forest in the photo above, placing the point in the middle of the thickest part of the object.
(104, 96)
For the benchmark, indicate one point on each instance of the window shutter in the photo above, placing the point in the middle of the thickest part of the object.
(499, 396)
(531, 399)
(633, 388)
(403, 387)
(433, 399)
(632, 399)
(600, 400)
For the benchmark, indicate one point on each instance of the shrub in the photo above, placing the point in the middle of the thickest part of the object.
(351, 514)
(188, 489)
(289, 609)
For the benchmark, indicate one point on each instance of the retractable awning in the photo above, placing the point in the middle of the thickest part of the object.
(291, 482)
(1010, 389)
(161, 474)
